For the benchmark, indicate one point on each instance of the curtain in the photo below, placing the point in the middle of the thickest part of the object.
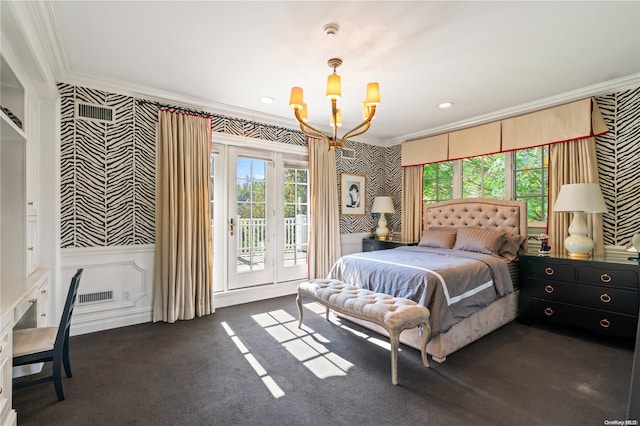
(183, 252)
(411, 203)
(572, 162)
(324, 225)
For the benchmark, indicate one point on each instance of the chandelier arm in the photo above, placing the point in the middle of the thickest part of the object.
(315, 135)
(353, 132)
(334, 114)
(306, 127)
(366, 122)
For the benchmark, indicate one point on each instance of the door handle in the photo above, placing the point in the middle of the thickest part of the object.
(231, 226)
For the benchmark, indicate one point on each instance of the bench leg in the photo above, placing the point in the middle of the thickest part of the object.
(426, 330)
(299, 303)
(394, 339)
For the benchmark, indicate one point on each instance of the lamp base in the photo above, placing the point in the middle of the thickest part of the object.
(382, 231)
(578, 244)
(579, 255)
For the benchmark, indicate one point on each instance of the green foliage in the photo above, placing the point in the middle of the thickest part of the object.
(486, 176)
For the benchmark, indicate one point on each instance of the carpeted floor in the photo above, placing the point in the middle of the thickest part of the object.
(250, 365)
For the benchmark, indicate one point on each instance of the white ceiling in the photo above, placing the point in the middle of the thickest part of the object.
(488, 58)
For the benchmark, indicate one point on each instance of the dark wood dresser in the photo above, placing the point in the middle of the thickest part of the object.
(596, 294)
(373, 244)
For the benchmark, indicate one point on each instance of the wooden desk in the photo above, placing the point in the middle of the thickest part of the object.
(23, 303)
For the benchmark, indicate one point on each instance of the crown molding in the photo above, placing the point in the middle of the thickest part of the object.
(27, 18)
(624, 83)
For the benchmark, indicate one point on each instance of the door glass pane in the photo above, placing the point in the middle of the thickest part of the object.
(251, 209)
(296, 220)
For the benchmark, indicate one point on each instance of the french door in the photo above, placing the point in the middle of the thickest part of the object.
(251, 217)
(259, 201)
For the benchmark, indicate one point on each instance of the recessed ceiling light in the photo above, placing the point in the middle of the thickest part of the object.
(445, 105)
(266, 99)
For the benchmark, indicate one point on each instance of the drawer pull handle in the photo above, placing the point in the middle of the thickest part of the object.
(549, 271)
(30, 248)
(44, 314)
(605, 278)
(372, 248)
(33, 300)
(605, 298)
(548, 311)
(605, 323)
(549, 288)
(0, 349)
(0, 389)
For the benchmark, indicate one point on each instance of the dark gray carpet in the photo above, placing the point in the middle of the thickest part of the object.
(192, 373)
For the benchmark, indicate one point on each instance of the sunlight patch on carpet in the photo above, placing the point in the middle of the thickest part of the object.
(304, 344)
(268, 381)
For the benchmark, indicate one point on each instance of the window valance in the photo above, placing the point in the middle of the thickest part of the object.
(576, 120)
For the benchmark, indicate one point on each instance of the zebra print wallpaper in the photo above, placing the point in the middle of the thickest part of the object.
(618, 153)
(108, 170)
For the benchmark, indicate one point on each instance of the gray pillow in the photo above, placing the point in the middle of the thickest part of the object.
(481, 240)
(511, 247)
(438, 238)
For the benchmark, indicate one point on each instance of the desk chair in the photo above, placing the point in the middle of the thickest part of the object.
(47, 344)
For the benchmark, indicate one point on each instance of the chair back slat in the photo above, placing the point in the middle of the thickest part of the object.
(65, 320)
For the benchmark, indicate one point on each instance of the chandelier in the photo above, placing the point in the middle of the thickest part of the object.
(334, 93)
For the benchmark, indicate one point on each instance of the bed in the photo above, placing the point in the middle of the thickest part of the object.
(464, 270)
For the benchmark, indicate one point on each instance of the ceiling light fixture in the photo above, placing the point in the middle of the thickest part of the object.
(334, 93)
(445, 105)
(267, 99)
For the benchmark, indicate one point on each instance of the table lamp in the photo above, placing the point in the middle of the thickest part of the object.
(382, 205)
(579, 198)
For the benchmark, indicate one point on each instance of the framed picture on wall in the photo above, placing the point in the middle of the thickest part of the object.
(352, 194)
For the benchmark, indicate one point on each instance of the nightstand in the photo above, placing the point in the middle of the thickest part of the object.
(596, 294)
(373, 244)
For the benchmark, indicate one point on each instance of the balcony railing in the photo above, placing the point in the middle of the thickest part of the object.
(251, 238)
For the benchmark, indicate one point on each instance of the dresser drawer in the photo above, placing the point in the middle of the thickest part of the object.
(592, 319)
(609, 277)
(556, 270)
(606, 299)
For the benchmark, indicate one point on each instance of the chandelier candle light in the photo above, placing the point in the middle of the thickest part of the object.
(579, 198)
(334, 92)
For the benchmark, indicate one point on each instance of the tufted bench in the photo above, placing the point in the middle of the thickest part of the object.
(394, 314)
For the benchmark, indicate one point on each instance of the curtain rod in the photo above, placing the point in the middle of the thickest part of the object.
(173, 108)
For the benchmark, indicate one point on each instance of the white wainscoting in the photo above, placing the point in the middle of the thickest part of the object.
(127, 272)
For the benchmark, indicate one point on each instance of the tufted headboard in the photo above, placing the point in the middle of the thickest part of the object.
(503, 215)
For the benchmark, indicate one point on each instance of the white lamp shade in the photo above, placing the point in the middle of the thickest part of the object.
(382, 204)
(580, 197)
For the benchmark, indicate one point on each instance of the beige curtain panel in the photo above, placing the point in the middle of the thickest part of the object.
(324, 226)
(183, 252)
(411, 215)
(572, 162)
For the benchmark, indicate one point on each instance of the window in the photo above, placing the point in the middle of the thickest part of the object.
(519, 175)
(484, 177)
(437, 182)
(531, 177)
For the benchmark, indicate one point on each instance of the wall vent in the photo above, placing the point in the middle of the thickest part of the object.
(100, 296)
(349, 154)
(101, 113)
